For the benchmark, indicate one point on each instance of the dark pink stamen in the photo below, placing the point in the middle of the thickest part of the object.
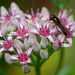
(21, 32)
(7, 44)
(7, 18)
(23, 57)
(44, 31)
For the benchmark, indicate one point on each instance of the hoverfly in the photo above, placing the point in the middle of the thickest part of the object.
(57, 22)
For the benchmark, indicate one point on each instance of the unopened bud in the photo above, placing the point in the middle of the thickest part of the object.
(44, 42)
(7, 59)
(18, 43)
(36, 46)
(44, 54)
(55, 46)
(32, 38)
(25, 68)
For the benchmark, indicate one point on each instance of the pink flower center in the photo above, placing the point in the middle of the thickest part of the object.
(44, 31)
(23, 57)
(21, 32)
(7, 18)
(7, 44)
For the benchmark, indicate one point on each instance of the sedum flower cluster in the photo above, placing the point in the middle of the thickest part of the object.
(24, 34)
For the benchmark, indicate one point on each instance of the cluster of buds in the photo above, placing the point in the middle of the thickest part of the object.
(25, 33)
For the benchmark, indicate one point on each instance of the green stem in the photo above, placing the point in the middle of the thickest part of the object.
(37, 70)
(37, 67)
(60, 61)
(50, 51)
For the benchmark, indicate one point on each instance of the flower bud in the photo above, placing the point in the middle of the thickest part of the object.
(55, 46)
(44, 42)
(4, 28)
(45, 13)
(44, 54)
(25, 68)
(18, 43)
(36, 46)
(32, 38)
(4, 12)
(7, 59)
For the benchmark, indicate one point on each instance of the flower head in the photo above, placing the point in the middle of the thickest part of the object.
(7, 45)
(22, 57)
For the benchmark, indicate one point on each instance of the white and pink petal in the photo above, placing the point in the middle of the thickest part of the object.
(28, 52)
(11, 49)
(50, 38)
(14, 8)
(4, 12)
(1, 50)
(34, 31)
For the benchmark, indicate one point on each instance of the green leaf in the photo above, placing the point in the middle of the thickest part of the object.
(14, 37)
(53, 1)
(38, 38)
(65, 3)
(59, 2)
(2, 72)
(65, 71)
(1, 38)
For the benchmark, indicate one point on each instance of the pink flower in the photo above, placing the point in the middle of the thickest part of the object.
(43, 31)
(32, 16)
(7, 45)
(64, 18)
(61, 41)
(20, 33)
(4, 15)
(67, 21)
(14, 11)
(22, 57)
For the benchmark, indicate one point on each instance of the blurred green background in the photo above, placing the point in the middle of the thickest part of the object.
(50, 66)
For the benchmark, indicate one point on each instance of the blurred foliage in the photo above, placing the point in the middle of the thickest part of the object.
(65, 71)
(2, 72)
(59, 4)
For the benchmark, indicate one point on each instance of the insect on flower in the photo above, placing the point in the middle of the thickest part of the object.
(56, 20)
